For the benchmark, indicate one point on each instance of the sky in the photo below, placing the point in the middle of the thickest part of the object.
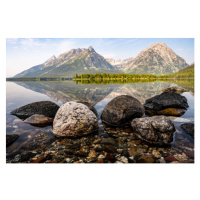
(24, 53)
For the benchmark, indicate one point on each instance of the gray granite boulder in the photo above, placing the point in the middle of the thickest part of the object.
(74, 120)
(121, 110)
(154, 130)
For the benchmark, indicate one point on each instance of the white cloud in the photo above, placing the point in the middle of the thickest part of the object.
(107, 54)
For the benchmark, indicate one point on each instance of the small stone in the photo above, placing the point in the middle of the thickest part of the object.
(108, 141)
(156, 153)
(146, 158)
(92, 154)
(190, 154)
(109, 148)
(123, 159)
(110, 157)
(170, 158)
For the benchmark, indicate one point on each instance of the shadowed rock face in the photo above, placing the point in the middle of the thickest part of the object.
(121, 110)
(159, 104)
(189, 128)
(10, 139)
(74, 120)
(154, 130)
(46, 108)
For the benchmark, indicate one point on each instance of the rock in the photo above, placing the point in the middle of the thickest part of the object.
(110, 157)
(123, 159)
(17, 121)
(74, 120)
(10, 139)
(108, 141)
(39, 160)
(189, 128)
(39, 120)
(163, 104)
(155, 130)
(190, 154)
(170, 158)
(168, 111)
(109, 149)
(174, 88)
(46, 108)
(92, 154)
(146, 158)
(39, 142)
(92, 108)
(121, 110)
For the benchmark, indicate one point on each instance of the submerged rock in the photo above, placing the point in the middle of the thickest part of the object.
(155, 130)
(10, 139)
(167, 103)
(174, 88)
(39, 120)
(122, 110)
(46, 108)
(74, 120)
(189, 128)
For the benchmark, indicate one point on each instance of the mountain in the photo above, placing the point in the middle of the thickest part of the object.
(156, 59)
(74, 61)
(36, 68)
(119, 64)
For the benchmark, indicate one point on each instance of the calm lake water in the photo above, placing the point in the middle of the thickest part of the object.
(98, 95)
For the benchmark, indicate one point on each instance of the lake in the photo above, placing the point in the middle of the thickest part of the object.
(38, 145)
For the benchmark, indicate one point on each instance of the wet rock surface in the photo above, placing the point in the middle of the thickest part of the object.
(121, 110)
(155, 130)
(74, 120)
(189, 128)
(124, 147)
(39, 120)
(46, 108)
(10, 139)
(160, 104)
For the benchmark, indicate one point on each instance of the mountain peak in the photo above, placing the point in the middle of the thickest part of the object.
(91, 49)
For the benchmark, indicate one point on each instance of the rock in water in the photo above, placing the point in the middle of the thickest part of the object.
(46, 108)
(74, 120)
(92, 108)
(155, 130)
(189, 128)
(122, 110)
(39, 120)
(167, 103)
(10, 139)
(174, 88)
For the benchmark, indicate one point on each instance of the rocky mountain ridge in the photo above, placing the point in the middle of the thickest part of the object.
(156, 59)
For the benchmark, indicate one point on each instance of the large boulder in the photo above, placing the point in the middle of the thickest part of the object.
(74, 120)
(122, 110)
(46, 108)
(167, 103)
(92, 108)
(39, 120)
(154, 130)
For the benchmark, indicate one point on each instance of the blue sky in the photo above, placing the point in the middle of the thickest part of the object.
(23, 53)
